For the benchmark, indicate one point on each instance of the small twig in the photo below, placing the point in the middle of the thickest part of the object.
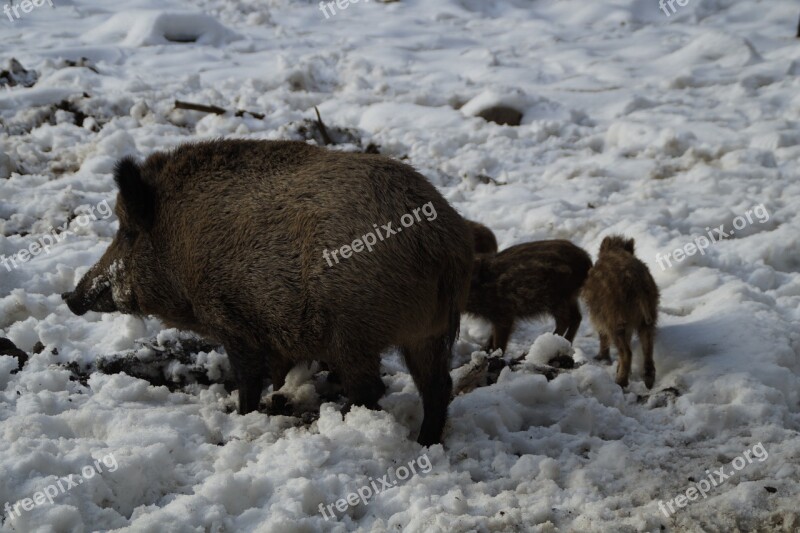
(322, 129)
(199, 107)
(241, 113)
(212, 109)
(517, 360)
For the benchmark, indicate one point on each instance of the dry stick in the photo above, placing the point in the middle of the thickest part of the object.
(199, 107)
(212, 109)
(322, 129)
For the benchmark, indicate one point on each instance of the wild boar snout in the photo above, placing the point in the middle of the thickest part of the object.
(76, 302)
(72, 302)
(79, 303)
(93, 293)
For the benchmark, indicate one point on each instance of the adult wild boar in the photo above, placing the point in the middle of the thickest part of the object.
(228, 239)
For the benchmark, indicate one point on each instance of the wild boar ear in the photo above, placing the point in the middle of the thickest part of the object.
(138, 197)
(629, 245)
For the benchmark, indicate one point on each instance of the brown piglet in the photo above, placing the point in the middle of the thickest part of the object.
(622, 297)
(526, 281)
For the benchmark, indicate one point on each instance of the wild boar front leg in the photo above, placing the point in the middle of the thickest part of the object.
(279, 368)
(362, 381)
(568, 320)
(249, 369)
(501, 332)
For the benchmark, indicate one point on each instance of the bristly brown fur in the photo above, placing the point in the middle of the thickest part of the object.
(234, 251)
(484, 238)
(526, 281)
(622, 297)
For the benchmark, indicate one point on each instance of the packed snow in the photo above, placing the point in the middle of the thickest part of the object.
(663, 128)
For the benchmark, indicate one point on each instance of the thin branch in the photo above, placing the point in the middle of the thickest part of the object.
(212, 109)
(322, 129)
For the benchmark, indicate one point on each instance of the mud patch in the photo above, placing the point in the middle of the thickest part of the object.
(661, 398)
(17, 75)
(175, 363)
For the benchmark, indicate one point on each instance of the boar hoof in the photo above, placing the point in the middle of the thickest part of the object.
(428, 438)
(249, 400)
(649, 380)
(279, 405)
(622, 381)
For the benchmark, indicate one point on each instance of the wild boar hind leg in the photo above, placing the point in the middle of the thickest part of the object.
(428, 361)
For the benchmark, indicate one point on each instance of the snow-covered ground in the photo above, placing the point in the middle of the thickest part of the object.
(661, 128)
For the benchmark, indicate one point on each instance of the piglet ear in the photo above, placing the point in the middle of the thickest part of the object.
(137, 196)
